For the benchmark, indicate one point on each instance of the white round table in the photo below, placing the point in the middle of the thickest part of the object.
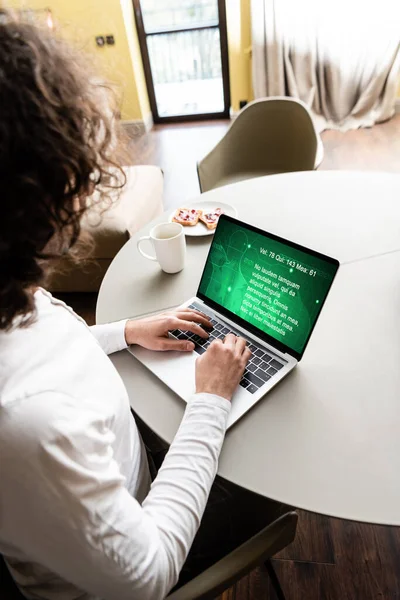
(327, 438)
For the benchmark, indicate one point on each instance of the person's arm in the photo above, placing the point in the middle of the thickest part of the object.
(111, 336)
(152, 332)
(76, 518)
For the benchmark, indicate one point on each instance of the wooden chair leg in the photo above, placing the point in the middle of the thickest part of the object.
(274, 580)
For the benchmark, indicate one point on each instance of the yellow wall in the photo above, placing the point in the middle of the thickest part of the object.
(134, 48)
(239, 44)
(80, 21)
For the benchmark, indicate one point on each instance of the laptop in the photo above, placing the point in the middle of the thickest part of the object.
(262, 287)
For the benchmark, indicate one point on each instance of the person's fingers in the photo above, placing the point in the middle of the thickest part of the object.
(194, 315)
(190, 326)
(230, 340)
(194, 310)
(240, 345)
(214, 344)
(177, 345)
(246, 356)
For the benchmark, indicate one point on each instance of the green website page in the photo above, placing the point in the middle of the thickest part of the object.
(274, 287)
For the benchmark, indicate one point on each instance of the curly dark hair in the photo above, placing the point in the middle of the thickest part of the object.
(57, 141)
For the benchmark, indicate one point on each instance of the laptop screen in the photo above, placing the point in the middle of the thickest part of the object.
(268, 285)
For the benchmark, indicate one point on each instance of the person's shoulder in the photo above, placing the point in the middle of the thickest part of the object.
(39, 356)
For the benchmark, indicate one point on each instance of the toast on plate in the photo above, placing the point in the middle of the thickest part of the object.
(187, 216)
(210, 219)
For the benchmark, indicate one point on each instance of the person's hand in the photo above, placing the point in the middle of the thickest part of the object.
(152, 332)
(220, 368)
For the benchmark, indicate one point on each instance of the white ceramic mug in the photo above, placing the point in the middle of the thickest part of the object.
(169, 243)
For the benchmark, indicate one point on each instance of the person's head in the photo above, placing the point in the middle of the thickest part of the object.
(56, 149)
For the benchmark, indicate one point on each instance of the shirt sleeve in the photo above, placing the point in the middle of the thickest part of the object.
(111, 336)
(72, 512)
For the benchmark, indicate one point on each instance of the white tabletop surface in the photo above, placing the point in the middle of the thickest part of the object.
(327, 438)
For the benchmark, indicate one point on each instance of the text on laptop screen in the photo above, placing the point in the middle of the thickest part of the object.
(273, 286)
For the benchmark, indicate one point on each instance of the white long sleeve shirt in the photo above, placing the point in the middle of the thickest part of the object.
(78, 519)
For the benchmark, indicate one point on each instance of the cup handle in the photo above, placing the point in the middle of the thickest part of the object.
(142, 239)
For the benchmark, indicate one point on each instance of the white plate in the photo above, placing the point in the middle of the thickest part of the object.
(200, 228)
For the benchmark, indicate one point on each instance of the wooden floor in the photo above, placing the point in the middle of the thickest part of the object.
(330, 559)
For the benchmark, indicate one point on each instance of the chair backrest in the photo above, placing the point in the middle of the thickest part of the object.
(212, 582)
(272, 135)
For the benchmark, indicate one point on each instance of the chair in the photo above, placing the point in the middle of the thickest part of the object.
(272, 135)
(254, 552)
(220, 576)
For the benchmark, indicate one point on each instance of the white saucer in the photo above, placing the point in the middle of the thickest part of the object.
(200, 229)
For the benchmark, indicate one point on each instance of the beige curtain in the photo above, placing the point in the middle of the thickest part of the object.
(341, 57)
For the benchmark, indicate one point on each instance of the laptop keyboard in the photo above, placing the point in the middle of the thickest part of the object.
(261, 367)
